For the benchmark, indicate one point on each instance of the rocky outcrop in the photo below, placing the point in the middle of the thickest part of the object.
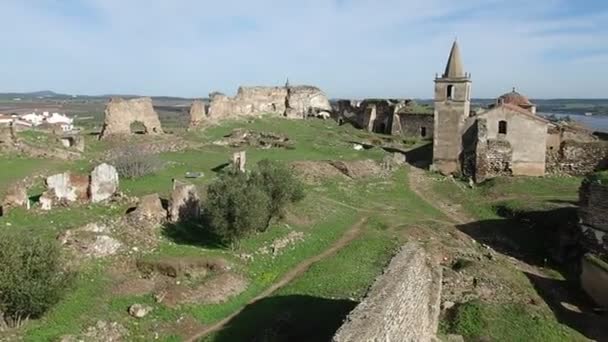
(92, 240)
(197, 113)
(104, 182)
(291, 102)
(120, 114)
(184, 204)
(402, 305)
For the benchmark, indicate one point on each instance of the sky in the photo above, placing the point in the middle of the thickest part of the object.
(348, 48)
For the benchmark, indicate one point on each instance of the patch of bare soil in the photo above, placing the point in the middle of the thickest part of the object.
(214, 290)
(178, 267)
(313, 172)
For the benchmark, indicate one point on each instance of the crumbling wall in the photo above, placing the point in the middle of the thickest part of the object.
(249, 101)
(416, 125)
(493, 157)
(305, 100)
(402, 305)
(120, 114)
(577, 158)
(292, 102)
(197, 113)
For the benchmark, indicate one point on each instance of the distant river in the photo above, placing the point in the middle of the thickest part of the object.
(594, 122)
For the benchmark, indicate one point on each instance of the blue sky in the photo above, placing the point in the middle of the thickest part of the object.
(349, 48)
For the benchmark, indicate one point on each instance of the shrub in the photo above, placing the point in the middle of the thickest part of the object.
(236, 207)
(280, 185)
(31, 278)
(130, 163)
(238, 203)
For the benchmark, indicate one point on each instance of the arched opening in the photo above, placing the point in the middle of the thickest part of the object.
(423, 132)
(450, 91)
(502, 127)
(137, 127)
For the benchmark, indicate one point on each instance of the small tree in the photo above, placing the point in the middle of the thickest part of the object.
(235, 207)
(131, 162)
(31, 278)
(239, 203)
(280, 184)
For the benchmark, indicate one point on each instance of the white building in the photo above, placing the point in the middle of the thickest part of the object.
(66, 123)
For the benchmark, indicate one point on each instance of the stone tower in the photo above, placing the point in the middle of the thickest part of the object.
(452, 107)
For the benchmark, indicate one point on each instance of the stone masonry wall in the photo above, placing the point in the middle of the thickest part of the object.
(577, 158)
(402, 304)
(413, 125)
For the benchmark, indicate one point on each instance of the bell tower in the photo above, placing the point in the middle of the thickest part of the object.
(452, 107)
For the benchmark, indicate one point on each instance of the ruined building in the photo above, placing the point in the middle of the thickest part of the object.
(121, 114)
(508, 138)
(386, 116)
(288, 101)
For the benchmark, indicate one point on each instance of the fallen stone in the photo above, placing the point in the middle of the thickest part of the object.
(139, 310)
(104, 182)
(184, 204)
(46, 200)
(149, 210)
(68, 187)
(15, 197)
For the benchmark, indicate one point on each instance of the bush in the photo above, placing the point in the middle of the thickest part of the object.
(280, 185)
(31, 278)
(239, 204)
(130, 163)
(236, 207)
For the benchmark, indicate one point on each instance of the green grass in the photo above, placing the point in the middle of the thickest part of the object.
(476, 320)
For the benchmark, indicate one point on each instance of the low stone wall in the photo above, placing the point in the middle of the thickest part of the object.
(402, 305)
(594, 279)
(577, 158)
(593, 210)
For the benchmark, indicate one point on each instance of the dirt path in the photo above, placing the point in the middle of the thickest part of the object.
(351, 234)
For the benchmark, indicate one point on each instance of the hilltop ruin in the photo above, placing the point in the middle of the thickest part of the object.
(120, 114)
(293, 102)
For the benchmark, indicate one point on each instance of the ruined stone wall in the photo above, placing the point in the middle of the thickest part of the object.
(306, 100)
(414, 125)
(120, 114)
(197, 113)
(577, 158)
(292, 102)
(402, 304)
(593, 215)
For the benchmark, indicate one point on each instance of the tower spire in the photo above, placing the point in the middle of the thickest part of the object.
(454, 68)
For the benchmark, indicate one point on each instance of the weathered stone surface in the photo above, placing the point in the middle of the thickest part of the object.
(120, 114)
(46, 200)
(239, 159)
(16, 196)
(247, 102)
(303, 101)
(68, 187)
(593, 206)
(197, 113)
(292, 102)
(139, 310)
(184, 204)
(594, 279)
(149, 211)
(577, 158)
(104, 182)
(92, 240)
(402, 305)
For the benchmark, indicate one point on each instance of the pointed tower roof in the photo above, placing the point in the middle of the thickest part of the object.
(454, 68)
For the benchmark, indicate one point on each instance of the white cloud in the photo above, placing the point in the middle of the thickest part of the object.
(350, 48)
